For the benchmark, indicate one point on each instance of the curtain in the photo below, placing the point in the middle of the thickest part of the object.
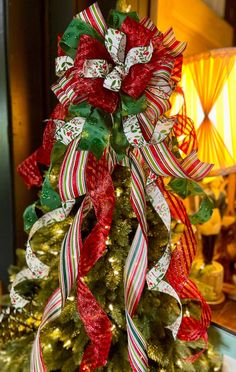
(209, 83)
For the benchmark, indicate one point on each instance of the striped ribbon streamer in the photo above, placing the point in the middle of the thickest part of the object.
(135, 269)
(52, 311)
(72, 176)
(134, 280)
(69, 262)
(162, 162)
(174, 46)
(194, 168)
(71, 185)
(70, 252)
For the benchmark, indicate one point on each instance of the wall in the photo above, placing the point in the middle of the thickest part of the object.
(194, 22)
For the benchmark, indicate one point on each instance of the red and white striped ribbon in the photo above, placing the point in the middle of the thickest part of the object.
(72, 179)
(69, 262)
(94, 17)
(135, 269)
(162, 162)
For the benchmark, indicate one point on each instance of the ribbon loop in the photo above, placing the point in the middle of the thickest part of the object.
(95, 68)
(70, 130)
(62, 64)
(138, 55)
(115, 42)
(134, 134)
(113, 80)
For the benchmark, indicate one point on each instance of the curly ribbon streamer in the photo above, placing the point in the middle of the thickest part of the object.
(135, 268)
(156, 274)
(69, 260)
(36, 268)
(74, 256)
(177, 275)
(74, 161)
(184, 128)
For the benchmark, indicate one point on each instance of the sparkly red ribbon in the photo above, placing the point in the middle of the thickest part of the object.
(181, 260)
(184, 128)
(96, 321)
(29, 168)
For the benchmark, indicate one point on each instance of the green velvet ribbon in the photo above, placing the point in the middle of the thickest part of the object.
(29, 217)
(118, 139)
(204, 213)
(131, 106)
(70, 39)
(96, 131)
(116, 18)
(100, 130)
(83, 109)
(49, 197)
(185, 188)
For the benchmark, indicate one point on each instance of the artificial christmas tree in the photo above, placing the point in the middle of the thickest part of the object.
(106, 221)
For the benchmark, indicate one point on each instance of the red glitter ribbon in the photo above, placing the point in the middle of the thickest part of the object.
(29, 168)
(181, 260)
(96, 321)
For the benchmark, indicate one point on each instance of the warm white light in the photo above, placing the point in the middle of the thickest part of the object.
(67, 343)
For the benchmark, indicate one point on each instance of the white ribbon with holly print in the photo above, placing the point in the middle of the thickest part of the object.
(36, 268)
(62, 64)
(134, 134)
(68, 131)
(115, 42)
(155, 276)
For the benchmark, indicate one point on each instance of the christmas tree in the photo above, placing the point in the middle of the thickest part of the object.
(110, 244)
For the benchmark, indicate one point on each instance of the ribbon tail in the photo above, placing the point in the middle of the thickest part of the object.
(135, 269)
(178, 271)
(98, 327)
(96, 321)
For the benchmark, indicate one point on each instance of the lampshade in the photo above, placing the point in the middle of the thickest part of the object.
(209, 84)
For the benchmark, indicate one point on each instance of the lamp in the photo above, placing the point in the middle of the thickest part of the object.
(209, 83)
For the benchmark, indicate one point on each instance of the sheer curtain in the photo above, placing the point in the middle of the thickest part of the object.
(209, 83)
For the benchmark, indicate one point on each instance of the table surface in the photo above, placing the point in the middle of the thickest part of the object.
(225, 316)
